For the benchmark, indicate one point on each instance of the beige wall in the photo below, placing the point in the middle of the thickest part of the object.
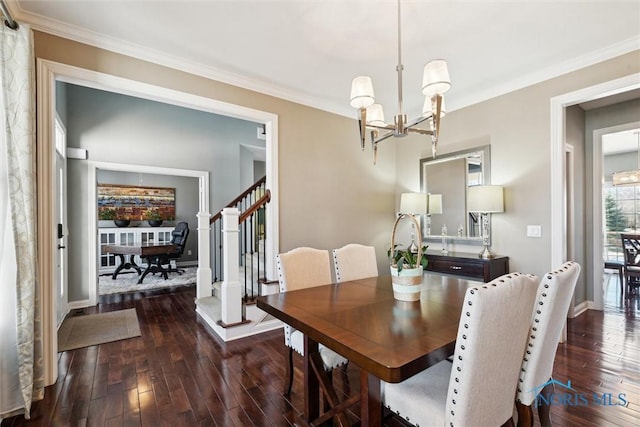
(517, 125)
(330, 192)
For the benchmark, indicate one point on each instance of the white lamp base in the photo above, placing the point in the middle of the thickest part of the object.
(486, 253)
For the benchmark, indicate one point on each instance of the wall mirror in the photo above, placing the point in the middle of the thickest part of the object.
(450, 175)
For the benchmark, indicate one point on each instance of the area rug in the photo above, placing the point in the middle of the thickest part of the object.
(128, 282)
(94, 329)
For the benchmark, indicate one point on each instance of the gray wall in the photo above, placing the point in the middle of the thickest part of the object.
(121, 129)
(574, 131)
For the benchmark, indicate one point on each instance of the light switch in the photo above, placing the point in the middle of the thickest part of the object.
(534, 231)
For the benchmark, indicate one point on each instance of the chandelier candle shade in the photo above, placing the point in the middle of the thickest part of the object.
(485, 200)
(435, 82)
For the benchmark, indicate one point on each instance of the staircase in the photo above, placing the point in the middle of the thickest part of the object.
(238, 235)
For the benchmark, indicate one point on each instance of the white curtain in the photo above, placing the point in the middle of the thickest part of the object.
(21, 362)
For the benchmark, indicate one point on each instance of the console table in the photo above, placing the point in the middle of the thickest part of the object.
(467, 265)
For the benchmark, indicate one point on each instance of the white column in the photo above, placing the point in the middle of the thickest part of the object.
(203, 274)
(231, 292)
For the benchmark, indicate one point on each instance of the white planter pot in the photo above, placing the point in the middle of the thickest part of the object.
(407, 284)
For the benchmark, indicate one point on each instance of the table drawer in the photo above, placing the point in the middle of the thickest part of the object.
(465, 268)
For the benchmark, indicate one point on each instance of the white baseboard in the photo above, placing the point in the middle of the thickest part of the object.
(80, 304)
(581, 308)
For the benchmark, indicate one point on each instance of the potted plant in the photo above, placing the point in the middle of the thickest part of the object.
(406, 267)
(106, 214)
(153, 217)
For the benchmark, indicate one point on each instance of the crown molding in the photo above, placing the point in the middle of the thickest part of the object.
(81, 35)
(568, 66)
(123, 47)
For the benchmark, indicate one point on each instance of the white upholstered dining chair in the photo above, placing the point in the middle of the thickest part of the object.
(354, 261)
(303, 268)
(477, 388)
(552, 304)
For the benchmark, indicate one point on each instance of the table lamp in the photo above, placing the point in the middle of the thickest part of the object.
(413, 204)
(485, 200)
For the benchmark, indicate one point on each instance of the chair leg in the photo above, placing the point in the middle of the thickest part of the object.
(543, 408)
(525, 415)
(288, 382)
(345, 379)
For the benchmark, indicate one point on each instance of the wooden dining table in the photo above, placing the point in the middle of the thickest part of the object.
(149, 252)
(387, 339)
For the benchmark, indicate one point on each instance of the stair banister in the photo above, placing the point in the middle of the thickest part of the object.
(204, 273)
(231, 291)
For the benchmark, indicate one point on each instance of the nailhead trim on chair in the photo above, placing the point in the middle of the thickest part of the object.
(464, 337)
(462, 348)
(564, 268)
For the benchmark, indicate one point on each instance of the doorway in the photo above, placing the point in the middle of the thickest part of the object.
(558, 209)
(48, 72)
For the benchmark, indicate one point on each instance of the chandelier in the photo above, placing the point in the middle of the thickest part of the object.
(435, 82)
(629, 177)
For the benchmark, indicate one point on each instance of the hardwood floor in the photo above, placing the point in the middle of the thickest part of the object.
(179, 374)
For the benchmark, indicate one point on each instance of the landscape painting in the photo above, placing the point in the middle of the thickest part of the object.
(136, 203)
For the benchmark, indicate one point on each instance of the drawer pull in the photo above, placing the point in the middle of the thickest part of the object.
(455, 267)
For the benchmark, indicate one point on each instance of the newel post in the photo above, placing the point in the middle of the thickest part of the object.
(231, 292)
(203, 274)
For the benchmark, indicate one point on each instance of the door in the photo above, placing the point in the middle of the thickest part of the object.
(61, 229)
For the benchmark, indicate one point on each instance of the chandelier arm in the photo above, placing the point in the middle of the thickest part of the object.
(382, 138)
(418, 121)
(386, 126)
(421, 131)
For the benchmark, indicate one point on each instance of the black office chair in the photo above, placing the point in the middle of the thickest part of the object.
(179, 238)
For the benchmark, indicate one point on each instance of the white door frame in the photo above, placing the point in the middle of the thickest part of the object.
(62, 273)
(47, 74)
(92, 223)
(557, 142)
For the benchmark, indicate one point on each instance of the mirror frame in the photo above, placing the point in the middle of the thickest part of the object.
(486, 178)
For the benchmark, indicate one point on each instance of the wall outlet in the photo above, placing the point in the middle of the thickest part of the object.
(534, 231)
(188, 251)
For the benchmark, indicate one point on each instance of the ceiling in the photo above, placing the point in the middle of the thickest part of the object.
(309, 51)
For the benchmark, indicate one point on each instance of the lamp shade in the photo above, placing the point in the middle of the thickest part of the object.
(435, 204)
(413, 203)
(375, 115)
(435, 79)
(362, 92)
(485, 199)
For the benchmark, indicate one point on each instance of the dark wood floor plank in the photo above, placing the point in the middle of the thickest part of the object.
(177, 373)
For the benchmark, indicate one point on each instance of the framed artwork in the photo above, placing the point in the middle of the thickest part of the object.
(116, 201)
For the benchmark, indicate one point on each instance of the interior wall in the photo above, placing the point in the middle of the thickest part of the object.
(574, 130)
(330, 192)
(517, 125)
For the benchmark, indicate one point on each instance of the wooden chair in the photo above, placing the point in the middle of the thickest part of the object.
(354, 261)
(477, 389)
(631, 252)
(551, 307)
(303, 268)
